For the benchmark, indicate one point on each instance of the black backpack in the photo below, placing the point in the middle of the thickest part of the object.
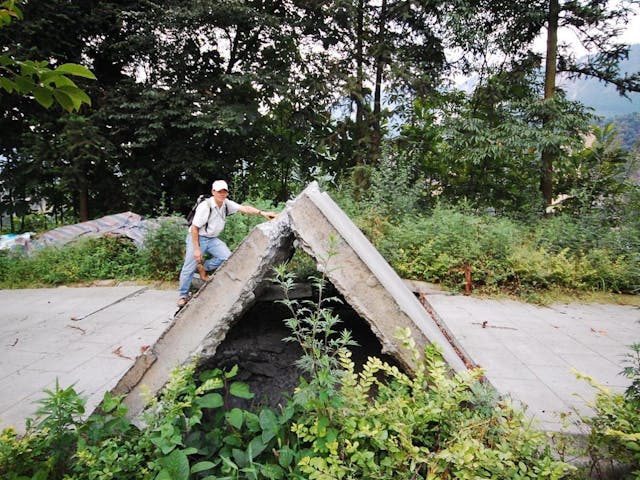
(192, 213)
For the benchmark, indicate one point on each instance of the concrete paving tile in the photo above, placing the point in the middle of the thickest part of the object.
(499, 362)
(103, 371)
(533, 352)
(603, 371)
(16, 387)
(560, 343)
(62, 362)
(541, 402)
(564, 384)
(15, 359)
(51, 345)
(598, 340)
(17, 414)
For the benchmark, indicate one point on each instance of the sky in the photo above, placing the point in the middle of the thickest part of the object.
(630, 36)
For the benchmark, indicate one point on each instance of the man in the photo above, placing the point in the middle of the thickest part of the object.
(208, 222)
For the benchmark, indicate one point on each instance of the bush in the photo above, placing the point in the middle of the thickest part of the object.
(453, 244)
(163, 251)
(439, 247)
(83, 261)
(381, 423)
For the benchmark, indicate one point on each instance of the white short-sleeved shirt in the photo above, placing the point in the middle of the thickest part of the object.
(210, 219)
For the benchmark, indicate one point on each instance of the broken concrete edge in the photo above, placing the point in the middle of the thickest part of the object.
(410, 313)
(199, 327)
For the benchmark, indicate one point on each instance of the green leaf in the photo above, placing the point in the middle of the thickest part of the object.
(163, 475)
(7, 84)
(252, 422)
(272, 471)
(76, 70)
(240, 457)
(210, 400)
(202, 466)
(6, 60)
(64, 100)
(62, 81)
(232, 373)
(232, 441)
(176, 464)
(24, 84)
(269, 424)
(77, 96)
(43, 96)
(110, 402)
(286, 456)
(235, 417)
(256, 447)
(240, 390)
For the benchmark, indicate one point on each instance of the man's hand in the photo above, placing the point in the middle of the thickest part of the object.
(197, 254)
(268, 215)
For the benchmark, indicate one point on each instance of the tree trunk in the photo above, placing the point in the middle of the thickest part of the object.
(83, 198)
(376, 134)
(359, 88)
(546, 181)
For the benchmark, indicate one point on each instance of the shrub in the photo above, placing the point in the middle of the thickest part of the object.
(85, 260)
(537, 268)
(388, 425)
(164, 245)
(439, 248)
(381, 423)
(50, 438)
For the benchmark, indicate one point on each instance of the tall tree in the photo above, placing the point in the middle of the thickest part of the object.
(376, 54)
(501, 36)
(597, 25)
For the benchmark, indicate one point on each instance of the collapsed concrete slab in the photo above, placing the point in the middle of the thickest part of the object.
(313, 222)
(202, 324)
(363, 276)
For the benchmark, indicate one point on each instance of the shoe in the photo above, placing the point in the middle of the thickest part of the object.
(202, 272)
(182, 301)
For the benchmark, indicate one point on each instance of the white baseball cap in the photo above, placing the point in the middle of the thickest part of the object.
(219, 185)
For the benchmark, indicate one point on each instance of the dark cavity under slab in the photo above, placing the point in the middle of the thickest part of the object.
(267, 363)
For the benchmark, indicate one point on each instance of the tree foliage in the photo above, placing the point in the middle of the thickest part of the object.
(270, 94)
(33, 77)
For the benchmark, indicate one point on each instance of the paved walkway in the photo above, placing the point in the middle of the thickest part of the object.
(530, 351)
(89, 337)
(86, 337)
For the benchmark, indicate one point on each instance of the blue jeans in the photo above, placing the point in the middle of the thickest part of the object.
(213, 246)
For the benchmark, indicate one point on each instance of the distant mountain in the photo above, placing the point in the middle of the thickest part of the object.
(603, 98)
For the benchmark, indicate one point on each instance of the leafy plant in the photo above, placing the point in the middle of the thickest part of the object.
(49, 440)
(313, 326)
(613, 430)
(29, 77)
(381, 423)
(431, 425)
(163, 250)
